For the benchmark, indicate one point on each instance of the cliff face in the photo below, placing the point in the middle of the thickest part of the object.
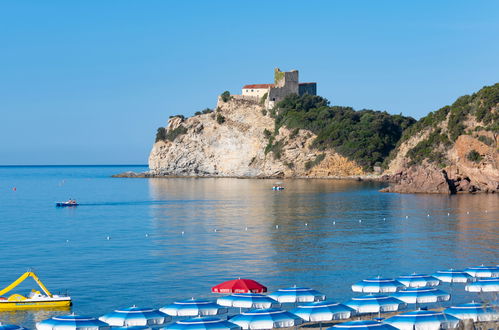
(452, 150)
(234, 141)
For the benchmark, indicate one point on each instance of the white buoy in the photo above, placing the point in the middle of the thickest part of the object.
(428, 215)
(246, 228)
(182, 232)
(407, 217)
(306, 224)
(276, 226)
(108, 238)
(360, 221)
(468, 212)
(334, 222)
(448, 213)
(147, 235)
(215, 230)
(67, 241)
(384, 219)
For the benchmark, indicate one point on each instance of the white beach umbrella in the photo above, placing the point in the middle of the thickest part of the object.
(135, 316)
(266, 319)
(72, 322)
(475, 311)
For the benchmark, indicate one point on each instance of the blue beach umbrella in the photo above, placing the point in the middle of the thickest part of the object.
(377, 285)
(484, 285)
(297, 295)
(421, 295)
(483, 271)
(134, 316)
(247, 300)
(11, 327)
(202, 323)
(418, 280)
(321, 311)
(266, 319)
(193, 307)
(452, 276)
(375, 304)
(475, 311)
(422, 319)
(72, 322)
(362, 325)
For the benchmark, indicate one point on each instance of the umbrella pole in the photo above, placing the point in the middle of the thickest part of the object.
(320, 325)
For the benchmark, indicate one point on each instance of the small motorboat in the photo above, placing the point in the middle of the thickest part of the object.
(70, 202)
(278, 186)
(35, 299)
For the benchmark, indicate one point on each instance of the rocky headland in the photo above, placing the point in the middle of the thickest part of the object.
(452, 150)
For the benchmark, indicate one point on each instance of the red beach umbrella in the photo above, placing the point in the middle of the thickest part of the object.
(240, 285)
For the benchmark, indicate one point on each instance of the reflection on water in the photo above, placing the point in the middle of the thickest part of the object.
(172, 239)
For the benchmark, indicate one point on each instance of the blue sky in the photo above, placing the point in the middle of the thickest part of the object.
(89, 82)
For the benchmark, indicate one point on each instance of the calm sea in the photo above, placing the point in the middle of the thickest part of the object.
(323, 234)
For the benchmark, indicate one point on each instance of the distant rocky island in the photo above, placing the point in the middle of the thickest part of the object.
(284, 130)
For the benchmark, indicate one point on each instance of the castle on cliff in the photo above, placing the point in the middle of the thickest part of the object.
(285, 83)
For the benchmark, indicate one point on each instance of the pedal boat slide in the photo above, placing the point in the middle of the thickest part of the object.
(35, 298)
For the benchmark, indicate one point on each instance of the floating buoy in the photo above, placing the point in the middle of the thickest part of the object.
(276, 226)
(384, 219)
(428, 215)
(14, 189)
(246, 228)
(448, 214)
(468, 212)
(215, 230)
(306, 224)
(182, 232)
(108, 238)
(147, 235)
(334, 222)
(67, 241)
(360, 221)
(407, 217)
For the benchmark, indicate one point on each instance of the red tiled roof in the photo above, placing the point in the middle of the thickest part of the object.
(258, 86)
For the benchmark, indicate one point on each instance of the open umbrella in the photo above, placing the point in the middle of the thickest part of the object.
(483, 271)
(418, 280)
(11, 327)
(239, 286)
(248, 300)
(475, 311)
(193, 307)
(72, 322)
(375, 304)
(266, 319)
(297, 295)
(202, 323)
(134, 316)
(362, 325)
(452, 276)
(484, 285)
(422, 319)
(421, 295)
(321, 311)
(377, 285)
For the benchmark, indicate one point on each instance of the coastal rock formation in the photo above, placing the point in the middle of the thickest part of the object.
(452, 150)
(238, 140)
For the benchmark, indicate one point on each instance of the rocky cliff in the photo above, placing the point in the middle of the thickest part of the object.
(238, 139)
(452, 150)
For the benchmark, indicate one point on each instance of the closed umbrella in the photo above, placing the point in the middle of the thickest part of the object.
(362, 325)
(452, 276)
(193, 307)
(484, 285)
(266, 319)
(202, 323)
(297, 295)
(418, 280)
(321, 311)
(483, 271)
(375, 304)
(475, 311)
(11, 327)
(423, 320)
(134, 316)
(377, 285)
(72, 322)
(421, 295)
(239, 286)
(248, 300)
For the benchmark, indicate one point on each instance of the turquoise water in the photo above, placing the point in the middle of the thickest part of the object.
(147, 260)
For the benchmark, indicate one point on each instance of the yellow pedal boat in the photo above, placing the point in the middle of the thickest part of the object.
(35, 299)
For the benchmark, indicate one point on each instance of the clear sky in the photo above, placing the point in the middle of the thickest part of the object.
(89, 82)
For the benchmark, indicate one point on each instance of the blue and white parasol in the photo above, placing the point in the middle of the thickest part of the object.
(483, 271)
(323, 311)
(422, 319)
(474, 311)
(297, 295)
(202, 323)
(11, 327)
(266, 319)
(484, 285)
(375, 304)
(135, 316)
(421, 295)
(193, 307)
(247, 300)
(418, 280)
(377, 285)
(72, 322)
(452, 276)
(362, 325)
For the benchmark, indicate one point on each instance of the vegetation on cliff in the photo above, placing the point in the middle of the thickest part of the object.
(365, 136)
(448, 123)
